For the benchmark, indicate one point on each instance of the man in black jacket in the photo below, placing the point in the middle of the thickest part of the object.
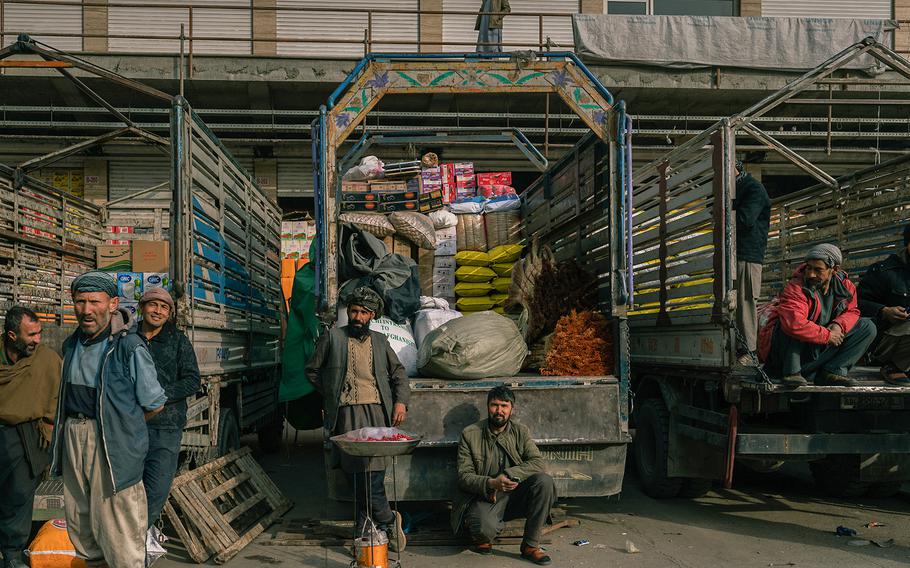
(178, 373)
(884, 296)
(753, 218)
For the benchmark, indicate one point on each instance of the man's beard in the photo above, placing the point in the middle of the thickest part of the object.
(498, 422)
(357, 331)
(21, 348)
(818, 285)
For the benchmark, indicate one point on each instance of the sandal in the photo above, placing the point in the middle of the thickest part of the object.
(894, 376)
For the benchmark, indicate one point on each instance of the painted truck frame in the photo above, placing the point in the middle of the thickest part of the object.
(578, 208)
(224, 235)
(697, 413)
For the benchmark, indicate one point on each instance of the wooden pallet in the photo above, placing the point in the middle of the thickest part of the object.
(305, 532)
(219, 508)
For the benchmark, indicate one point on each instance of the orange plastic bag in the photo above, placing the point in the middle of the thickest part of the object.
(52, 547)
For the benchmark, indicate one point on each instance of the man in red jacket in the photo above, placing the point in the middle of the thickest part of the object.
(816, 332)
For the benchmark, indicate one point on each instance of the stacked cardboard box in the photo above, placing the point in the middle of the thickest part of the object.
(296, 237)
(465, 180)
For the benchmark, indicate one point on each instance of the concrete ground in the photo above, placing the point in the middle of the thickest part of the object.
(766, 521)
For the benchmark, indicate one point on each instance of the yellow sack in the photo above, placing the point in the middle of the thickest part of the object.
(472, 258)
(501, 285)
(505, 253)
(476, 304)
(499, 298)
(501, 311)
(474, 274)
(503, 269)
(473, 289)
(52, 547)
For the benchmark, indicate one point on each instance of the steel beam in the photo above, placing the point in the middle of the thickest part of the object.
(52, 157)
(789, 155)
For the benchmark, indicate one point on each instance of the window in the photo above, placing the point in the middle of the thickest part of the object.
(695, 7)
(625, 7)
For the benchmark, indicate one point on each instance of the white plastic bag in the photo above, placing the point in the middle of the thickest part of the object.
(502, 203)
(443, 219)
(154, 549)
(468, 206)
(426, 321)
(400, 337)
(370, 167)
(431, 303)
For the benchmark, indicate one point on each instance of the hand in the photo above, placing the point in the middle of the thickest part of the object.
(47, 431)
(895, 314)
(399, 413)
(836, 337)
(501, 483)
(150, 413)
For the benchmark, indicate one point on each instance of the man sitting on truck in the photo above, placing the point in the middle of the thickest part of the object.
(884, 296)
(178, 375)
(501, 477)
(815, 331)
(109, 389)
(363, 384)
(29, 382)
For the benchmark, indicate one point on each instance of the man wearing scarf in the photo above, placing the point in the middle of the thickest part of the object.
(29, 381)
(815, 331)
(363, 384)
(884, 296)
(109, 390)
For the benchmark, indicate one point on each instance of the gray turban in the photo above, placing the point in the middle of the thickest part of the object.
(367, 298)
(95, 281)
(829, 254)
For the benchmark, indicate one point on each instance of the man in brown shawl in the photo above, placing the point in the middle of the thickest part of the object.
(29, 381)
(362, 384)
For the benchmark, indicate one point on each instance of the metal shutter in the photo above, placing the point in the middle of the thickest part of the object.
(211, 18)
(827, 8)
(37, 20)
(338, 22)
(516, 29)
(128, 176)
(295, 177)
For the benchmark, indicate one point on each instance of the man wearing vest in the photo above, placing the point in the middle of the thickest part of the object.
(29, 382)
(363, 384)
(109, 390)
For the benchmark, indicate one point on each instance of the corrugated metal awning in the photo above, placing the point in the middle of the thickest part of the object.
(880, 9)
(37, 20)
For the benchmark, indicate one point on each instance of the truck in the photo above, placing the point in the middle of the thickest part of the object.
(224, 245)
(697, 414)
(578, 208)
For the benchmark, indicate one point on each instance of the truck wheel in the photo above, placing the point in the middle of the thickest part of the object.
(838, 476)
(228, 431)
(652, 441)
(884, 489)
(270, 436)
(693, 488)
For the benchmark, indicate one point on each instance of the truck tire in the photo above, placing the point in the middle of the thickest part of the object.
(884, 489)
(228, 431)
(693, 488)
(652, 442)
(270, 436)
(838, 476)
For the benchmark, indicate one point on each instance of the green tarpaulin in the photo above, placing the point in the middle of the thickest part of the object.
(301, 335)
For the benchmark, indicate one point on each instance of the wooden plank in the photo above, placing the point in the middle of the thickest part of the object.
(192, 544)
(243, 507)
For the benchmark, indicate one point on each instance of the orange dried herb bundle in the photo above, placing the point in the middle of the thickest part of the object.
(582, 346)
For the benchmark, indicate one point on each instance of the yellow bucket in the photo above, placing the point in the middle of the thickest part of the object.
(371, 553)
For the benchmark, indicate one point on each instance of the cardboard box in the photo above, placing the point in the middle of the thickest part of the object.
(151, 256)
(383, 185)
(445, 263)
(129, 286)
(345, 196)
(446, 241)
(403, 246)
(369, 206)
(355, 186)
(398, 206)
(114, 258)
(425, 265)
(131, 307)
(493, 178)
(431, 205)
(394, 196)
(95, 180)
(156, 280)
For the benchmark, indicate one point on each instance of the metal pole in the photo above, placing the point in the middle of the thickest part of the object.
(182, 39)
(830, 109)
(190, 71)
(370, 31)
(546, 129)
(540, 31)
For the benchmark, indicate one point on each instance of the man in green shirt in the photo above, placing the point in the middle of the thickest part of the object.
(501, 477)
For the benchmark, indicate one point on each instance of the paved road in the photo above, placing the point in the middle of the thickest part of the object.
(777, 520)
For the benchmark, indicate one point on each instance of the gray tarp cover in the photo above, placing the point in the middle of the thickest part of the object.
(698, 41)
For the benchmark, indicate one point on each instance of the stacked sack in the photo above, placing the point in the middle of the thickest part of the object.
(474, 282)
(502, 261)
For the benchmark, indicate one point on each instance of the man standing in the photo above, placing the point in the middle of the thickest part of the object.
(362, 384)
(500, 477)
(884, 296)
(489, 25)
(109, 388)
(29, 382)
(178, 374)
(816, 332)
(753, 218)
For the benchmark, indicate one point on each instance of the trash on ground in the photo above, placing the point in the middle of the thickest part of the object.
(631, 548)
(600, 546)
(772, 564)
(581, 542)
(874, 525)
(860, 542)
(844, 531)
(887, 543)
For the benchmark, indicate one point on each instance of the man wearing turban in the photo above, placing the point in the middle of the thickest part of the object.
(363, 384)
(109, 389)
(815, 331)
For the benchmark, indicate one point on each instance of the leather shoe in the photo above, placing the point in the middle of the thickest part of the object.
(534, 554)
(484, 548)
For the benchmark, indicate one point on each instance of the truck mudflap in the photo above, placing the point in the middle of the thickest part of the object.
(576, 422)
